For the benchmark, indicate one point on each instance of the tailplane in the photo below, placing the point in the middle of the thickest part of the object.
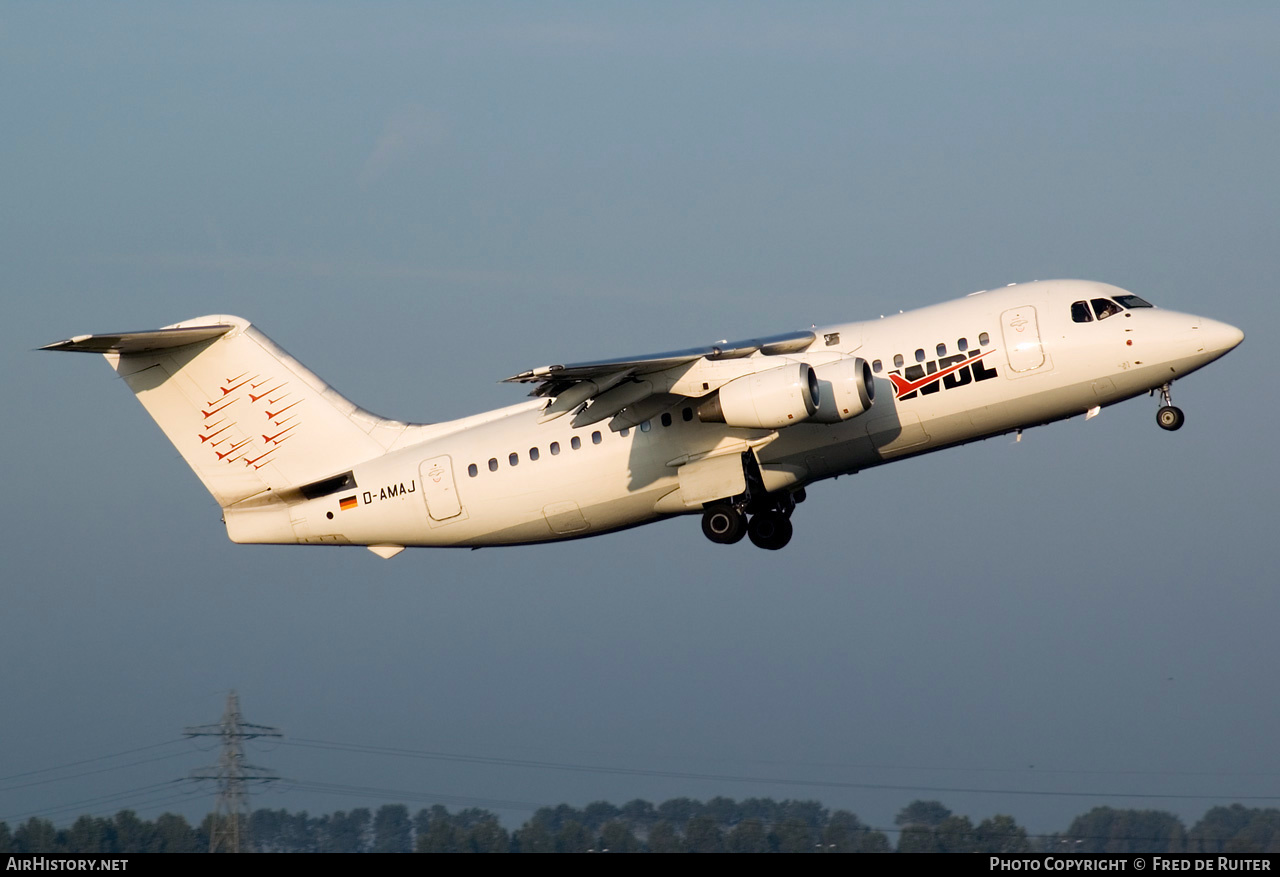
(245, 415)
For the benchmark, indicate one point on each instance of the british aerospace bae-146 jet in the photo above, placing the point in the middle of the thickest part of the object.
(733, 432)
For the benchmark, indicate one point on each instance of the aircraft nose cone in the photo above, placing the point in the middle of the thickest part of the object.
(1220, 337)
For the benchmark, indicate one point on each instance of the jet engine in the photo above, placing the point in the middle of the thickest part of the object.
(847, 389)
(769, 399)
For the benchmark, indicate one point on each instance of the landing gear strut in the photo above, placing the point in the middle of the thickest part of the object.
(1169, 417)
(726, 521)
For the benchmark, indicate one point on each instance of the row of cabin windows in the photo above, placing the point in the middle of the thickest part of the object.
(513, 459)
(962, 344)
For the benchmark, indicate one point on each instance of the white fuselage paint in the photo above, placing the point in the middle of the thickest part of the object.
(1048, 368)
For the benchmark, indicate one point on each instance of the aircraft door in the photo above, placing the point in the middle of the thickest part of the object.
(1022, 339)
(438, 489)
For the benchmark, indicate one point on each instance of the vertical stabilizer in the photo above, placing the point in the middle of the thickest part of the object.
(244, 414)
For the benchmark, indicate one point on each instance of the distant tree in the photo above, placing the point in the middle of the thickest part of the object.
(918, 838)
(617, 837)
(597, 813)
(725, 812)
(422, 820)
(6, 838)
(173, 834)
(663, 838)
(678, 811)
(955, 835)
(555, 818)
(1107, 830)
(265, 827)
(392, 829)
(534, 837)
(573, 837)
(703, 835)
(748, 836)
(1236, 829)
(441, 836)
(487, 836)
(845, 833)
(792, 835)
(765, 810)
(300, 833)
(132, 834)
(89, 835)
(811, 813)
(1001, 834)
(346, 832)
(35, 836)
(639, 814)
(929, 813)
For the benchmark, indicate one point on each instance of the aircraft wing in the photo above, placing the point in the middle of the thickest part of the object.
(618, 388)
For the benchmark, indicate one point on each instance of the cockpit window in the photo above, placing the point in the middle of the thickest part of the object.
(1133, 301)
(1080, 312)
(1105, 307)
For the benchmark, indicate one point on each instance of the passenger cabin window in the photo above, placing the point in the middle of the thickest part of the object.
(555, 448)
(624, 432)
(942, 350)
(963, 344)
(898, 361)
(1105, 307)
(666, 419)
(646, 426)
(533, 454)
(493, 464)
(514, 459)
(920, 354)
(984, 339)
(687, 414)
(1080, 312)
(473, 470)
(876, 366)
(575, 442)
(595, 437)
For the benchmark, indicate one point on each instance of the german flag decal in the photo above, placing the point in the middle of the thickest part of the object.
(347, 503)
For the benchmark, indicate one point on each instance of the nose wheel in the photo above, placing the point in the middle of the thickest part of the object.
(1169, 417)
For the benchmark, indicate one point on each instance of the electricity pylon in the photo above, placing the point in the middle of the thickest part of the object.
(229, 831)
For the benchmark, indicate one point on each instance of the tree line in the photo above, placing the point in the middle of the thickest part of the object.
(680, 825)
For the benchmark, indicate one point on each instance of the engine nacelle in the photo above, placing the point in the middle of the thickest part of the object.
(769, 399)
(847, 389)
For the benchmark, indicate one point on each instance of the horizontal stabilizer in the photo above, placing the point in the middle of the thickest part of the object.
(142, 342)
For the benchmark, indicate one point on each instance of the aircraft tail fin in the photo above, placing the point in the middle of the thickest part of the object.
(246, 416)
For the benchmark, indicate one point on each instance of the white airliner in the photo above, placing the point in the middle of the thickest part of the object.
(733, 431)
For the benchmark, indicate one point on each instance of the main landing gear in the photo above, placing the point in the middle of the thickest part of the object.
(1169, 417)
(769, 526)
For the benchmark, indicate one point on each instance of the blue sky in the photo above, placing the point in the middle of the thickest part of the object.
(417, 200)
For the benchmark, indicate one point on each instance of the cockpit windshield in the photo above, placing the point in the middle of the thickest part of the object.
(1083, 311)
(1105, 307)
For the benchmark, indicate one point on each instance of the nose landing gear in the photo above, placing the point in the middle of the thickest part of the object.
(1169, 417)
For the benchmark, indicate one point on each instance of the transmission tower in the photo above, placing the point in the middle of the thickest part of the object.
(229, 831)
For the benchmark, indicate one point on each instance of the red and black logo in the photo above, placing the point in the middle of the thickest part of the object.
(948, 372)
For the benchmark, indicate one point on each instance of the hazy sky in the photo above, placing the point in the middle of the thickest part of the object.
(417, 200)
